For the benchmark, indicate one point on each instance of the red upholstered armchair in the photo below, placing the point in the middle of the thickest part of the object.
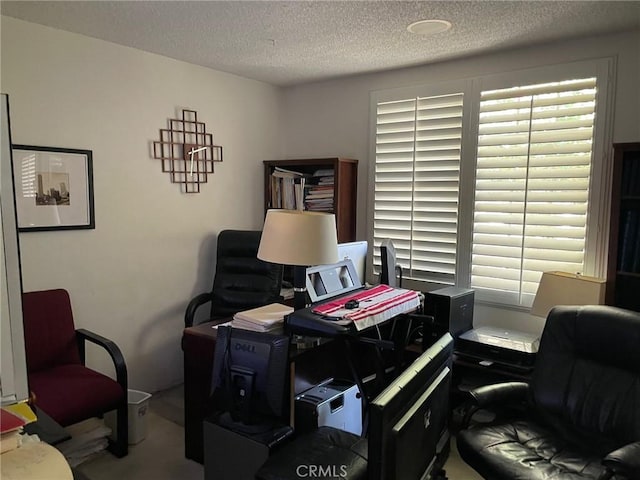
(64, 387)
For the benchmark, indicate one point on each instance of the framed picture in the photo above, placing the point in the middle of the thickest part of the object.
(54, 188)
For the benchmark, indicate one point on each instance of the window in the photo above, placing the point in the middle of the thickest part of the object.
(532, 185)
(418, 143)
(491, 200)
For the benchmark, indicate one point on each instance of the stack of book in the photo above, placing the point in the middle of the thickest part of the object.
(262, 319)
(319, 197)
(12, 419)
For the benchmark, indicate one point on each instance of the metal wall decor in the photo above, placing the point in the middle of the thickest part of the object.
(187, 151)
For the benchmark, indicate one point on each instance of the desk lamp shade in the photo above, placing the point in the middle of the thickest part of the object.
(301, 239)
(561, 288)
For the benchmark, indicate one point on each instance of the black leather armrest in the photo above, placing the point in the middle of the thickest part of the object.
(193, 305)
(84, 335)
(507, 392)
(625, 460)
(499, 393)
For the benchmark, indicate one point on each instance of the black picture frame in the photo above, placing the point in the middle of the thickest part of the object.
(54, 188)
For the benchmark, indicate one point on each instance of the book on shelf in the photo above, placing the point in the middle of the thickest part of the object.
(325, 194)
(324, 172)
(320, 207)
(319, 197)
(634, 177)
(287, 190)
(635, 268)
(627, 166)
(299, 195)
(629, 245)
(285, 173)
(262, 319)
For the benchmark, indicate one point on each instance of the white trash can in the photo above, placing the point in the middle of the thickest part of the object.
(138, 405)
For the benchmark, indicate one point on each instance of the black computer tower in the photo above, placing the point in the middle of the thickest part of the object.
(452, 312)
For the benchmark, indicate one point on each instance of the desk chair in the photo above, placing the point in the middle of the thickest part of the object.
(64, 387)
(580, 419)
(241, 280)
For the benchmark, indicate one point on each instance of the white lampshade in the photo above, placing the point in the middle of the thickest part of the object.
(561, 288)
(293, 237)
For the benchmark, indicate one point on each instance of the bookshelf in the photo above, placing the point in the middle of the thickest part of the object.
(316, 184)
(623, 275)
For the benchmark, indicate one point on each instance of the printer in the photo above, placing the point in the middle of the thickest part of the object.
(499, 345)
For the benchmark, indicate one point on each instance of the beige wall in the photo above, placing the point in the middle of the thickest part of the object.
(153, 246)
(332, 117)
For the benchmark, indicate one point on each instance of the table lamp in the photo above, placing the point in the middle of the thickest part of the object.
(301, 239)
(561, 288)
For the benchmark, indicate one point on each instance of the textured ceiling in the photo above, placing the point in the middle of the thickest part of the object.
(292, 42)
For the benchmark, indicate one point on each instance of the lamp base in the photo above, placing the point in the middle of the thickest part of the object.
(299, 287)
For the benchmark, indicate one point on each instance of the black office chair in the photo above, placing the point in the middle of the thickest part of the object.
(581, 415)
(241, 280)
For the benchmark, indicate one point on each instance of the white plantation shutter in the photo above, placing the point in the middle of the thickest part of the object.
(532, 186)
(417, 170)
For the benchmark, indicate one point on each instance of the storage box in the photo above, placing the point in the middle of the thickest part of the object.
(138, 404)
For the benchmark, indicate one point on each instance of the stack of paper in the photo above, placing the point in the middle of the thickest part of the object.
(262, 319)
(11, 426)
(88, 438)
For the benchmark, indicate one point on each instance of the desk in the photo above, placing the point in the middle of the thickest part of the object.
(35, 461)
(198, 345)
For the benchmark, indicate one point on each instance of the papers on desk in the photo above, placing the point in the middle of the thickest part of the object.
(12, 419)
(21, 410)
(376, 305)
(262, 319)
(9, 421)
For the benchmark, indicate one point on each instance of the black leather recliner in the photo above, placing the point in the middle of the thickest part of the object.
(241, 281)
(581, 415)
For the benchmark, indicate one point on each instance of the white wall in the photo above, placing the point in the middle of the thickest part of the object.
(153, 246)
(332, 117)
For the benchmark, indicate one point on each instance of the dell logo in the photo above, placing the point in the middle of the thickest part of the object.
(426, 420)
(246, 347)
